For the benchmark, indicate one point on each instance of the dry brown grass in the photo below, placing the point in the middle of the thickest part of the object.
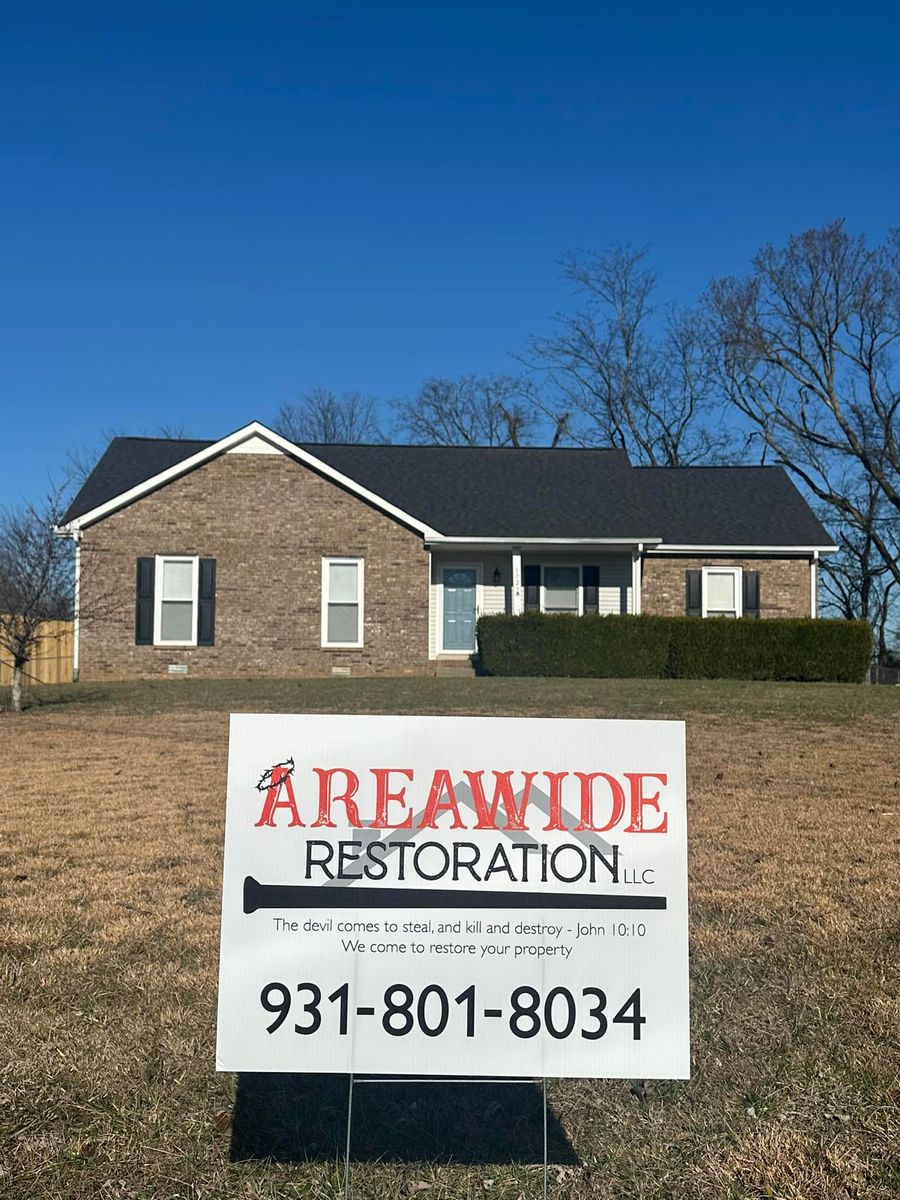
(111, 813)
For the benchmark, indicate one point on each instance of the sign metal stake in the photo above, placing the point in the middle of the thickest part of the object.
(347, 1144)
(544, 1089)
(439, 1079)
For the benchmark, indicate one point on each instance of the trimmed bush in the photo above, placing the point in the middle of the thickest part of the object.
(614, 647)
(679, 647)
(805, 650)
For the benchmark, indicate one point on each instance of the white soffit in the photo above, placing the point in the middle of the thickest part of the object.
(255, 445)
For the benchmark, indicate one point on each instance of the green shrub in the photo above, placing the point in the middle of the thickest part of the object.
(806, 650)
(678, 647)
(536, 644)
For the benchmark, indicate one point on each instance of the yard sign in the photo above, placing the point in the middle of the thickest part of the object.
(455, 896)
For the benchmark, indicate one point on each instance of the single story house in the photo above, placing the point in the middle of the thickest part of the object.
(253, 555)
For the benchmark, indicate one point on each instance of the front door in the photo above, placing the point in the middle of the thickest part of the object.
(459, 608)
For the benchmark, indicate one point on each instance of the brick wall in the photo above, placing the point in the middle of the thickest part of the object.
(783, 584)
(268, 521)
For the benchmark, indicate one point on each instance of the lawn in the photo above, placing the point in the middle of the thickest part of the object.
(111, 815)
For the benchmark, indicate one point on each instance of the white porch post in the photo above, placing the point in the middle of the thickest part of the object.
(636, 579)
(517, 594)
(433, 631)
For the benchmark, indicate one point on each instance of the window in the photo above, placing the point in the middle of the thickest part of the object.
(561, 589)
(721, 592)
(175, 610)
(342, 602)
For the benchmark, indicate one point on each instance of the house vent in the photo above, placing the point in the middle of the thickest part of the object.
(178, 668)
(340, 670)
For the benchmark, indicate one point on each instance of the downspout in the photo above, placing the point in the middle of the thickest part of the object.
(814, 585)
(76, 608)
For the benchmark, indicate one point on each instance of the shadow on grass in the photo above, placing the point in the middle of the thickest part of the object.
(49, 695)
(296, 1118)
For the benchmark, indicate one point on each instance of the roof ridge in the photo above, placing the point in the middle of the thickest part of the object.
(446, 446)
(140, 437)
(713, 467)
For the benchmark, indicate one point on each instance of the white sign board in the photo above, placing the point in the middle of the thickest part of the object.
(455, 896)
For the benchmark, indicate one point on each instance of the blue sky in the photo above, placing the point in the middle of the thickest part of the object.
(207, 208)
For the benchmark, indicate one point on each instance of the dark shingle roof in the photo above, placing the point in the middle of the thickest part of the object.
(126, 462)
(728, 506)
(493, 492)
(532, 492)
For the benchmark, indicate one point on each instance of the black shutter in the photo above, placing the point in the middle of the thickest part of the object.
(751, 593)
(143, 605)
(692, 585)
(531, 577)
(206, 603)
(590, 579)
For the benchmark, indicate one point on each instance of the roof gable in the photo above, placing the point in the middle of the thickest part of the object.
(114, 469)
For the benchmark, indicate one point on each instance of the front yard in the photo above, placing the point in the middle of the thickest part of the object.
(111, 815)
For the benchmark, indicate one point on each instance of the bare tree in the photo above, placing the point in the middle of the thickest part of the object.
(321, 415)
(807, 355)
(36, 582)
(856, 582)
(490, 410)
(621, 375)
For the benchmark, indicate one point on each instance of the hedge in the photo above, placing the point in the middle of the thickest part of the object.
(678, 647)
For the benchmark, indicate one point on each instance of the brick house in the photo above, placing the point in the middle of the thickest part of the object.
(253, 555)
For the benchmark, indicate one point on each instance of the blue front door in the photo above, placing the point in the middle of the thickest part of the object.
(459, 608)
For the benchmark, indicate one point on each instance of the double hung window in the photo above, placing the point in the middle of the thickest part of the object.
(721, 592)
(342, 602)
(562, 587)
(175, 616)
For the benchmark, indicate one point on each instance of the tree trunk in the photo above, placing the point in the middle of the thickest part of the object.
(17, 688)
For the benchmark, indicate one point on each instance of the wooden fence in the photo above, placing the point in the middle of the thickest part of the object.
(888, 675)
(52, 660)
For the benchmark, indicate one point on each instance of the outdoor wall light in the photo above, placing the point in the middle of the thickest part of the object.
(496, 576)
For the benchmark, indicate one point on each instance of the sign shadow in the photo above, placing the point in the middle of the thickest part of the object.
(298, 1118)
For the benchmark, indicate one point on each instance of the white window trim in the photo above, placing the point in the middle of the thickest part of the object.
(580, 588)
(360, 593)
(194, 560)
(477, 567)
(738, 574)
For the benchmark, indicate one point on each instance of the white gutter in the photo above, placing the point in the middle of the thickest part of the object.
(512, 542)
(666, 548)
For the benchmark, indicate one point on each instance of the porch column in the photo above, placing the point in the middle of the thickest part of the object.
(636, 579)
(517, 593)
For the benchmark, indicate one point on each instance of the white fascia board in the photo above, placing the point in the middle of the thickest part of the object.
(511, 542)
(666, 548)
(254, 429)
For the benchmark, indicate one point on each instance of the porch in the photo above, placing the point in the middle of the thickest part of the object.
(473, 580)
